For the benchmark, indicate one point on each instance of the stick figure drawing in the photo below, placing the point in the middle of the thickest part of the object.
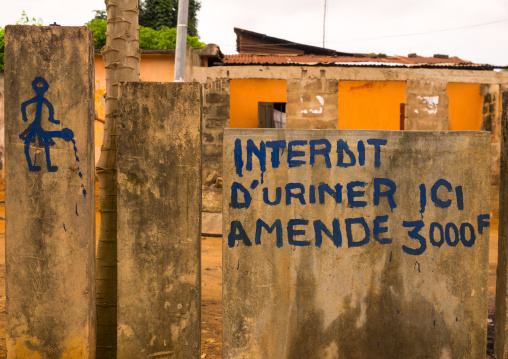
(35, 132)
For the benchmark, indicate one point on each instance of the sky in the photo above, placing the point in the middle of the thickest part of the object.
(474, 30)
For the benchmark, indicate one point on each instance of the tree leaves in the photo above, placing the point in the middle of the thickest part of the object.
(24, 20)
(158, 13)
(164, 38)
(98, 26)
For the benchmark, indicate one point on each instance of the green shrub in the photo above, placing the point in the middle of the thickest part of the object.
(98, 27)
(165, 38)
(24, 20)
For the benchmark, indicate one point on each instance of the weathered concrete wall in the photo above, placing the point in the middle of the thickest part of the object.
(501, 316)
(201, 74)
(50, 227)
(371, 280)
(492, 108)
(159, 203)
(215, 118)
(312, 102)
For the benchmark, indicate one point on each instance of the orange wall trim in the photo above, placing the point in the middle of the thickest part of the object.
(465, 107)
(370, 105)
(245, 95)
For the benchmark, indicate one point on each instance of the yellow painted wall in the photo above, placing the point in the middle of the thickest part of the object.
(152, 67)
(245, 95)
(465, 107)
(370, 105)
(157, 67)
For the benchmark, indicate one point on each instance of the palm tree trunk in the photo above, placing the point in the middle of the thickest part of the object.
(121, 58)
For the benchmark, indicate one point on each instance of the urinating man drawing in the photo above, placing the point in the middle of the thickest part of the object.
(35, 132)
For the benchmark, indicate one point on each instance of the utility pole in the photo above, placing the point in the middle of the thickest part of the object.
(324, 26)
(181, 39)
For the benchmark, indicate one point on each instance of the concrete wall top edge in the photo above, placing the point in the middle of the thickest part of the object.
(250, 131)
(201, 74)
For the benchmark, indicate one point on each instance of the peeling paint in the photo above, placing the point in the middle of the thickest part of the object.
(430, 102)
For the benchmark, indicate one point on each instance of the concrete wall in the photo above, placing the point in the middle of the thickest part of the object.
(159, 221)
(406, 278)
(50, 212)
(491, 109)
(216, 95)
(426, 98)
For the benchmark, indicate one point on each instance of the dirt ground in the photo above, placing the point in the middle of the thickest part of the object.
(211, 291)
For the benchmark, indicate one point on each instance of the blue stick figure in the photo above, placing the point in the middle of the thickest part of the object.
(35, 132)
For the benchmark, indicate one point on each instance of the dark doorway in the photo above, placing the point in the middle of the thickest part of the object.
(271, 114)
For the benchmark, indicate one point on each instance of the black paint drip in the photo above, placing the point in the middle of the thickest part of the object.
(79, 172)
(75, 150)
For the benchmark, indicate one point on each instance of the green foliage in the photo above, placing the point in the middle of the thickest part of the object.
(100, 14)
(165, 38)
(158, 13)
(98, 26)
(24, 20)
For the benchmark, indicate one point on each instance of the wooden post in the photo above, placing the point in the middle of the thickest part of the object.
(501, 328)
(50, 219)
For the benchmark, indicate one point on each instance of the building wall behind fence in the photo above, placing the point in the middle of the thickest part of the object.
(157, 67)
(465, 107)
(245, 95)
(370, 105)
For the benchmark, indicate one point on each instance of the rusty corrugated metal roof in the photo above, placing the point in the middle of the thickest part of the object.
(365, 60)
(259, 49)
(251, 42)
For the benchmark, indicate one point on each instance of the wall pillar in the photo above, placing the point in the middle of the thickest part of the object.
(216, 99)
(159, 222)
(312, 102)
(50, 214)
(426, 105)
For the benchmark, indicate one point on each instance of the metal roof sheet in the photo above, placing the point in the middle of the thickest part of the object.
(288, 59)
(377, 61)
